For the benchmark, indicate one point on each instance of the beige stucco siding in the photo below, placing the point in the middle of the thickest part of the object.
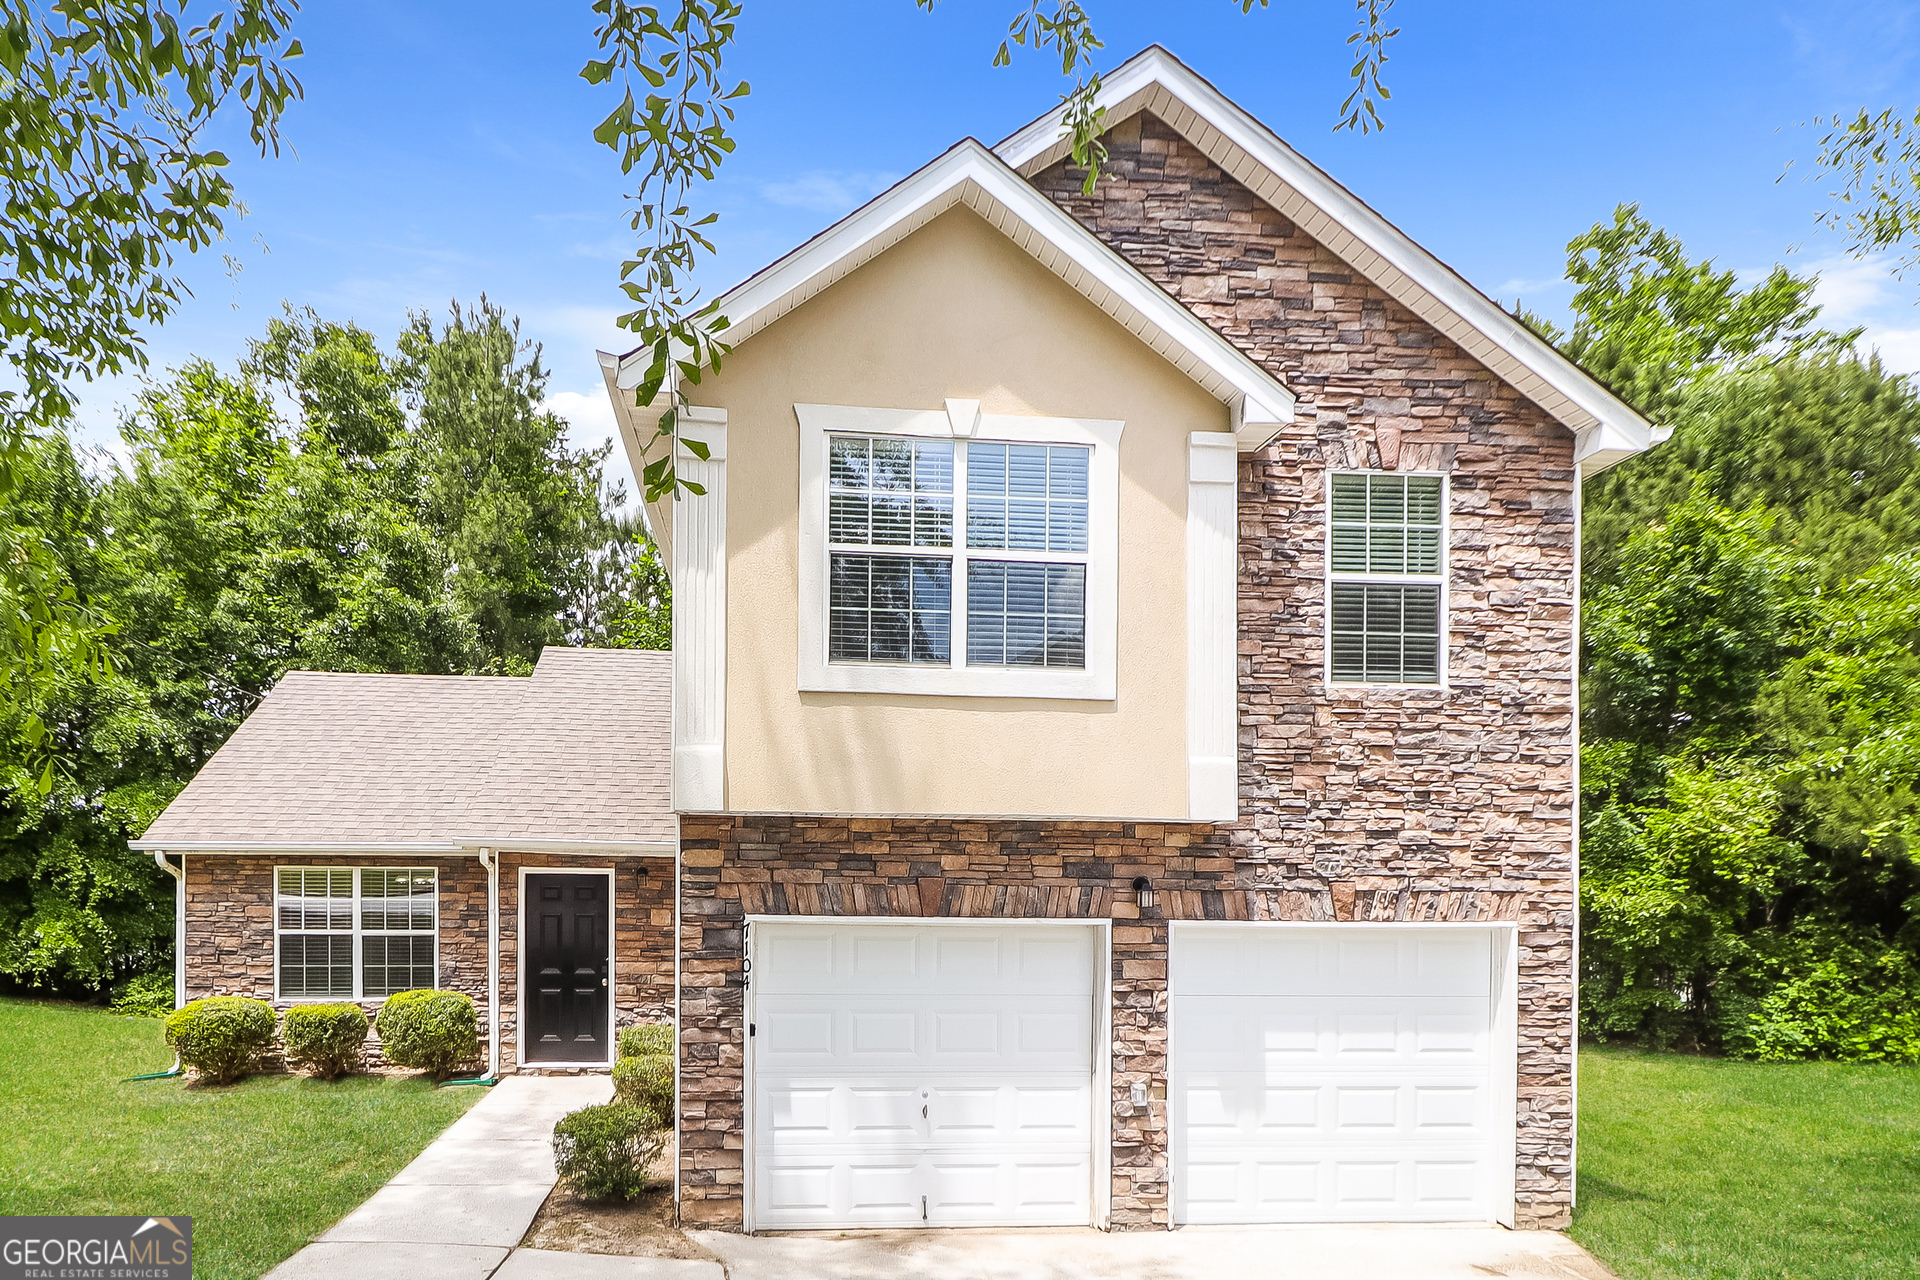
(955, 310)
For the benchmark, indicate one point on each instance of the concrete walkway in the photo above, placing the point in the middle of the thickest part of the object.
(1193, 1253)
(460, 1210)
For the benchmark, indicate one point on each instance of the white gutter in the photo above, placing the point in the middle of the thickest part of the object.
(179, 924)
(492, 865)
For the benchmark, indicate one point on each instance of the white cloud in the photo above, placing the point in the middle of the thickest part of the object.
(1899, 348)
(829, 190)
(589, 416)
(1850, 289)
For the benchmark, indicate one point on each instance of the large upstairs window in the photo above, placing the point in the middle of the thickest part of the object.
(980, 565)
(1387, 578)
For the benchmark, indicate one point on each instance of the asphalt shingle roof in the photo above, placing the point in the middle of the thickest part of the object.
(578, 751)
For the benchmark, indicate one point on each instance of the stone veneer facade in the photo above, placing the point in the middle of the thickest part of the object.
(1407, 804)
(230, 945)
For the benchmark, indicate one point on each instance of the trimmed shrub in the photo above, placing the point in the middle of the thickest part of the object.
(145, 995)
(646, 1081)
(643, 1038)
(602, 1153)
(432, 1031)
(221, 1037)
(324, 1039)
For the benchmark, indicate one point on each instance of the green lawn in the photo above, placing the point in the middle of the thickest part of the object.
(262, 1166)
(1699, 1168)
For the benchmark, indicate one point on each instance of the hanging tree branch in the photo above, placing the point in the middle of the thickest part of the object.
(106, 178)
(675, 134)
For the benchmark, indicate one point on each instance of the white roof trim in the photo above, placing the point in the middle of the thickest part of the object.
(970, 174)
(1607, 429)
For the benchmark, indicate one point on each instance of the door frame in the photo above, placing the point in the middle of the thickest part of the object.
(520, 964)
(1503, 1035)
(1100, 1123)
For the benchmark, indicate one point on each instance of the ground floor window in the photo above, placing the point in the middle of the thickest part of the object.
(350, 933)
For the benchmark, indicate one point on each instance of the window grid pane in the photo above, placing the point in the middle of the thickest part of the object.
(1026, 614)
(889, 492)
(395, 962)
(1386, 524)
(1386, 633)
(1027, 497)
(890, 609)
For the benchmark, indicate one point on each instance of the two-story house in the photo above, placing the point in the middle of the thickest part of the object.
(1124, 705)
(1123, 727)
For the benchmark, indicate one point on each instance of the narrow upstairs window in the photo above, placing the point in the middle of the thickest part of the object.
(1387, 577)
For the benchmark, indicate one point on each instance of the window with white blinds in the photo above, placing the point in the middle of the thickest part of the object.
(1386, 578)
(901, 585)
(350, 933)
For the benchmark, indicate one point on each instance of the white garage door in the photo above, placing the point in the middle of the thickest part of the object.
(1335, 1074)
(909, 1074)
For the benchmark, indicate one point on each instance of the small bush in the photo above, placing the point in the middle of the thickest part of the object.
(145, 995)
(221, 1037)
(602, 1153)
(646, 1081)
(432, 1031)
(643, 1038)
(324, 1039)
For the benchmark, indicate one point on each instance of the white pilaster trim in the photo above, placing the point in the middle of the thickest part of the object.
(1213, 692)
(700, 616)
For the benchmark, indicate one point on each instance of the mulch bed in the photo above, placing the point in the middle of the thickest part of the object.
(641, 1228)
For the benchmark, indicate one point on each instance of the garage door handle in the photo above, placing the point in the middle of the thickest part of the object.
(923, 1113)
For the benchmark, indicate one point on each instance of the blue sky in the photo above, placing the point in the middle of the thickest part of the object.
(444, 150)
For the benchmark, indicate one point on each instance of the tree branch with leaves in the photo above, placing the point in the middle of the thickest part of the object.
(108, 176)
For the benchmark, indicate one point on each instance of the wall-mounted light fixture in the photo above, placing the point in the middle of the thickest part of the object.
(1143, 892)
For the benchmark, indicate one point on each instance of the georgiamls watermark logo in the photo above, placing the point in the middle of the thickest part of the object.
(96, 1248)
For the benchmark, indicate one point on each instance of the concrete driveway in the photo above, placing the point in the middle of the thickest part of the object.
(1193, 1253)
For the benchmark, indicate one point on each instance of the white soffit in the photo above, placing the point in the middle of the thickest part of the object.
(1606, 428)
(969, 174)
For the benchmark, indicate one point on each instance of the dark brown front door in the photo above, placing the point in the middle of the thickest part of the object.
(568, 967)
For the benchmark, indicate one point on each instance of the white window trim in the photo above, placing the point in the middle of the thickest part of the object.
(613, 977)
(359, 982)
(961, 421)
(1440, 579)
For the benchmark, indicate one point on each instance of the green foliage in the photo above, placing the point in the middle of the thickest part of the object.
(1874, 160)
(645, 1080)
(432, 1031)
(1651, 323)
(602, 1153)
(326, 1039)
(646, 1037)
(1751, 685)
(145, 995)
(106, 115)
(236, 543)
(221, 1037)
(517, 511)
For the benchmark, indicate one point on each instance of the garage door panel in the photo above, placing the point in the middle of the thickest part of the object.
(1226, 1033)
(872, 959)
(1347, 1079)
(923, 1073)
(824, 1034)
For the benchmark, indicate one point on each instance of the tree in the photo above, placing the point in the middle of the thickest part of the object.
(675, 135)
(108, 175)
(519, 512)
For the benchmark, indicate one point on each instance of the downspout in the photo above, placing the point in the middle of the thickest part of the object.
(492, 1077)
(179, 951)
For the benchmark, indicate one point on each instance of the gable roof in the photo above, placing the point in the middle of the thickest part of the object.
(1606, 428)
(970, 174)
(576, 754)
